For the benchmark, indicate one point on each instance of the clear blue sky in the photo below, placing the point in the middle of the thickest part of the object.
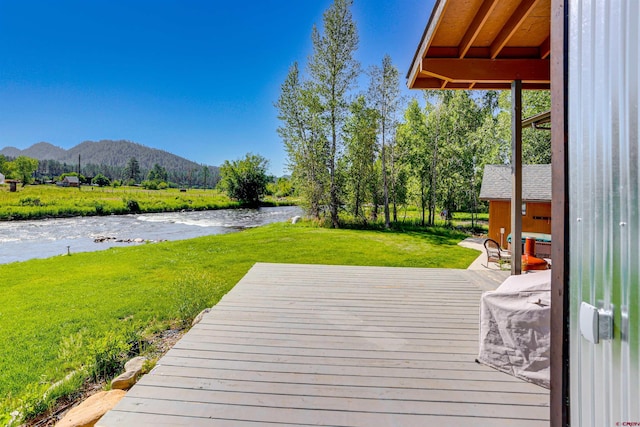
(197, 78)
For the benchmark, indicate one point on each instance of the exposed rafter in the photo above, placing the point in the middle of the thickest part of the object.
(512, 25)
(475, 27)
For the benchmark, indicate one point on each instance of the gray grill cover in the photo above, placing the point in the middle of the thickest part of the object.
(515, 327)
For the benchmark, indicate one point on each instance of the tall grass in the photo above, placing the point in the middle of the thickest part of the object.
(410, 219)
(42, 201)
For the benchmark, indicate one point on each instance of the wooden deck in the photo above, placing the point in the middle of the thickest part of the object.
(340, 346)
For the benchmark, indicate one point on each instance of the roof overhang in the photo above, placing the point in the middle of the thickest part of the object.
(489, 199)
(484, 44)
(538, 120)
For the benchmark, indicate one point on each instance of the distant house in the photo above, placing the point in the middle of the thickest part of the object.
(536, 200)
(1, 178)
(71, 181)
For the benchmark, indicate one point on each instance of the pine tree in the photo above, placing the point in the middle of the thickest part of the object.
(132, 170)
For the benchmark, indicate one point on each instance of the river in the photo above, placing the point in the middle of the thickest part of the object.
(24, 240)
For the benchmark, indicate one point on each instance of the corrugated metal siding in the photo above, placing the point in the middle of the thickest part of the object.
(603, 148)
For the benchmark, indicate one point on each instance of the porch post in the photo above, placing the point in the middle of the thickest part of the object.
(516, 177)
(560, 415)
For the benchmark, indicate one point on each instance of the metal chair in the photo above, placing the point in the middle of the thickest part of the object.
(495, 253)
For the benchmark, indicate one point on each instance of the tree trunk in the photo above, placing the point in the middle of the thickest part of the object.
(434, 175)
(385, 185)
(422, 199)
(333, 189)
(393, 187)
(356, 208)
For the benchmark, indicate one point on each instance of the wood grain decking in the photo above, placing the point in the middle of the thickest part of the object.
(341, 346)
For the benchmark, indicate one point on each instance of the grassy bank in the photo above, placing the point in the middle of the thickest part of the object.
(43, 201)
(64, 312)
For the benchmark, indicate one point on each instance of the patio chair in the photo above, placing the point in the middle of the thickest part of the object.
(495, 253)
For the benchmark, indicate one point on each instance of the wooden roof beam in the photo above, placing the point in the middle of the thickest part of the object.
(423, 82)
(487, 70)
(512, 25)
(476, 25)
(427, 83)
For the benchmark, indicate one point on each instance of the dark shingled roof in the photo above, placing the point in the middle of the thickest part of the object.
(536, 183)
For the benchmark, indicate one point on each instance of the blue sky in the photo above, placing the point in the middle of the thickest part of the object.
(193, 77)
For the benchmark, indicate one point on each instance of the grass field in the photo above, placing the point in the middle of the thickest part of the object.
(62, 313)
(40, 201)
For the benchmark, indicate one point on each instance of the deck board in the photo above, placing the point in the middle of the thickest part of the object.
(333, 345)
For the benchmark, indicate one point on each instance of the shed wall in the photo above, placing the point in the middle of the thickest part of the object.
(604, 220)
(536, 220)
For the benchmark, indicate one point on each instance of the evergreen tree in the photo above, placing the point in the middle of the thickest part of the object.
(132, 170)
(158, 174)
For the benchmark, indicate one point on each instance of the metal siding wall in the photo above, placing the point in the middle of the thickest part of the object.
(605, 254)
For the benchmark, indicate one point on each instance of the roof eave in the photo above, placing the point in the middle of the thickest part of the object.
(432, 25)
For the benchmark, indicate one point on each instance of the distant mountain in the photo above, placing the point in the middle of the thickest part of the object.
(43, 151)
(11, 152)
(106, 152)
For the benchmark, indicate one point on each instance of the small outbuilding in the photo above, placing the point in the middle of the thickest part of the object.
(71, 181)
(536, 201)
(13, 185)
(1, 178)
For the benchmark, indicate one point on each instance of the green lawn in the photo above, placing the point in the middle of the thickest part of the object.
(59, 313)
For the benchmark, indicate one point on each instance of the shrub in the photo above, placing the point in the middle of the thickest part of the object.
(109, 354)
(101, 180)
(30, 201)
(149, 185)
(245, 180)
(132, 206)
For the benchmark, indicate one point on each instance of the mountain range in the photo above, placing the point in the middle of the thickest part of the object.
(106, 152)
